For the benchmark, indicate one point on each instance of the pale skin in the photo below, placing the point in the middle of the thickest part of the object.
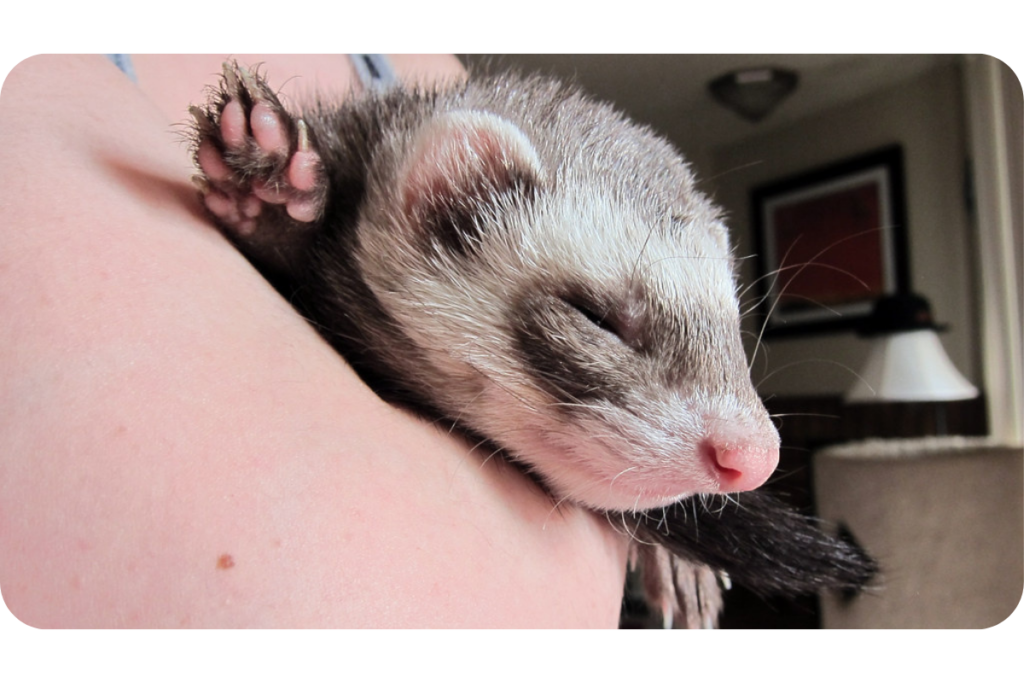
(179, 448)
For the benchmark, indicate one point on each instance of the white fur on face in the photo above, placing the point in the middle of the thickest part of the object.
(646, 448)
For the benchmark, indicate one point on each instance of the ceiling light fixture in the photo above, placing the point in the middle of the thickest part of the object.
(754, 93)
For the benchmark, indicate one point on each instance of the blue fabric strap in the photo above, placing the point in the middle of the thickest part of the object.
(375, 71)
(124, 63)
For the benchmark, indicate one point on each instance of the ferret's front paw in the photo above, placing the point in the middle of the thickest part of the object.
(258, 165)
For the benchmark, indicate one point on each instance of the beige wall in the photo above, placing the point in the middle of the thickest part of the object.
(994, 125)
(926, 116)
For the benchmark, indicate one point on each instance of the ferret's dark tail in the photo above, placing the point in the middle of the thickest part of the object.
(763, 544)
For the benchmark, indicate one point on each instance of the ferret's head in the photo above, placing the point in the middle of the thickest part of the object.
(572, 300)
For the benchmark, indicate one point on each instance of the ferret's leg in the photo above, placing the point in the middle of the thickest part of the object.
(260, 173)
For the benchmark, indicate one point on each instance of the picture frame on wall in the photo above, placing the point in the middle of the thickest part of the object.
(830, 242)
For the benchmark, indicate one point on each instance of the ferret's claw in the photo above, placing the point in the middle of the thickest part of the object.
(259, 174)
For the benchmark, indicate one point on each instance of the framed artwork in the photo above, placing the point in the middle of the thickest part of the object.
(830, 242)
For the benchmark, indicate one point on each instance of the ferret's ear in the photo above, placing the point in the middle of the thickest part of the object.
(460, 164)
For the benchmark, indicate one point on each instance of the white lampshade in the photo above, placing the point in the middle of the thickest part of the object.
(909, 366)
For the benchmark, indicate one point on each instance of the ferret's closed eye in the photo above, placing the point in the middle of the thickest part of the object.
(594, 315)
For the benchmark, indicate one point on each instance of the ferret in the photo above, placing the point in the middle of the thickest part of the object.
(515, 258)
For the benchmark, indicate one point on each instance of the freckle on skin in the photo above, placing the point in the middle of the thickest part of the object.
(225, 561)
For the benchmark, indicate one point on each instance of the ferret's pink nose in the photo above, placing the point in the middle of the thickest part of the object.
(741, 467)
